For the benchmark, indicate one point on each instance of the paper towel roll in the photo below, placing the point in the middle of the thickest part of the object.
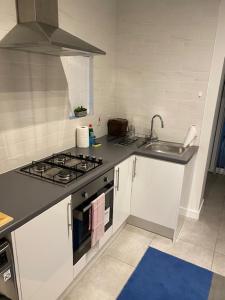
(83, 137)
(190, 136)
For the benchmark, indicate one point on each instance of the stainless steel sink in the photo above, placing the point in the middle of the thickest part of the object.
(166, 147)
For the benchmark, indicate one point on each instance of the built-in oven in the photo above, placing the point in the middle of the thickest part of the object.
(82, 212)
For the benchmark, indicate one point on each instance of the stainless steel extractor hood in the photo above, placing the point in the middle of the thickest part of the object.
(37, 31)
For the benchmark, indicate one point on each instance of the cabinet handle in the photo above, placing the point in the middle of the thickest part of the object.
(89, 219)
(69, 218)
(134, 168)
(118, 179)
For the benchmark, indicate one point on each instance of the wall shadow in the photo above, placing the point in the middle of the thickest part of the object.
(33, 89)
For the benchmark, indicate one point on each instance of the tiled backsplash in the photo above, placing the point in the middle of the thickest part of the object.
(33, 88)
(164, 51)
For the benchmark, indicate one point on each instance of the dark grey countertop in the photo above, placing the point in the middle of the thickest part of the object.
(24, 197)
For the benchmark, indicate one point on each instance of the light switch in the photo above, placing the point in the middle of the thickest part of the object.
(200, 94)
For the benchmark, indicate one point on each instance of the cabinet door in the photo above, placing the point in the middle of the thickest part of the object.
(44, 255)
(122, 192)
(156, 191)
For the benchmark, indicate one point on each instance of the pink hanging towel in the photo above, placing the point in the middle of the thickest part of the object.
(98, 215)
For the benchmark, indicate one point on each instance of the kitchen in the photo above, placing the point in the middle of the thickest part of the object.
(147, 70)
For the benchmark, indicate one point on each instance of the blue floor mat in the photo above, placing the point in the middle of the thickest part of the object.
(160, 276)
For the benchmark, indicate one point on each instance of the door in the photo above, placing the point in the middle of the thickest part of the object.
(44, 253)
(122, 192)
(217, 133)
(156, 191)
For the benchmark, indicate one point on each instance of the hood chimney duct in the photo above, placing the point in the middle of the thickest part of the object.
(42, 11)
(38, 31)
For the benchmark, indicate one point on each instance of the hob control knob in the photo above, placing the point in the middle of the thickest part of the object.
(106, 179)
(100, 160)
(93, 158)
(81, 156)
(85, 195)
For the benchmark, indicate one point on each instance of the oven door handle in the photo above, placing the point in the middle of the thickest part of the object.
(89, 206)
(109, 190)
(4, 249)
(86, 208)
(90, 220)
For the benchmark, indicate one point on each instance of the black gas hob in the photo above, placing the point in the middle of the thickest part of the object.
(62, 168)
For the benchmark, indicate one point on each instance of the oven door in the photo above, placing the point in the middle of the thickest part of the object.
(81, 230)
(82, 220)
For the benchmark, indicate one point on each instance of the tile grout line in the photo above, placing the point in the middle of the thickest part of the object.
(120, 260)
(214, 250)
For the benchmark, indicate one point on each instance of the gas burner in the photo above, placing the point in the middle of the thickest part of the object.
(85, 166)
(65, 175)
(60, 159)
(40, 167)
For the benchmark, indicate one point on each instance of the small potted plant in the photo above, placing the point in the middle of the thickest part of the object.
(80, 111)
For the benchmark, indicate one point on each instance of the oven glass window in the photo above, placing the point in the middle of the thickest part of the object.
(3, 259)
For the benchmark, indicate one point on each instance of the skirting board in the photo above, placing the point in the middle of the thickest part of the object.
(150, 226)
(191, 213)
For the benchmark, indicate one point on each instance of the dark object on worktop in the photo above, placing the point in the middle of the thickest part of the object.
(126, 141)
(117, 127)
(62, 168)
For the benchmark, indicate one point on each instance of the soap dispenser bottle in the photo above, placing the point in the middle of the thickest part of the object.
(91, 135)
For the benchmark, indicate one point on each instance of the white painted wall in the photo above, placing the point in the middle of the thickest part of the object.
(33, 90)
(212, 98)
(164, 52)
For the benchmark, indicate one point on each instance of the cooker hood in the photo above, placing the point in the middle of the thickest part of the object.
(37, 31)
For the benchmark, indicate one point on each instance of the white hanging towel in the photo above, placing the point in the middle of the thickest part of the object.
(190, 136)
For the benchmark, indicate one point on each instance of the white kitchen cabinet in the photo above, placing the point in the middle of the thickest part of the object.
(43, 254)
(122, 192)
(156, 195)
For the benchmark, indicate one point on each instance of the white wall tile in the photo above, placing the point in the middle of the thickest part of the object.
(164, 55)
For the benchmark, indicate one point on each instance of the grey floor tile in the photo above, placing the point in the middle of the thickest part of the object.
(187, 251)
(200, 233)
(130, 245)
(161, 243)
(219, 264)
(221, 234)
(217, 290)
(104, 280)
(220, 246)
(200, 256)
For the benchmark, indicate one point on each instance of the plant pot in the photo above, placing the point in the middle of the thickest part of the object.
(80, 114)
